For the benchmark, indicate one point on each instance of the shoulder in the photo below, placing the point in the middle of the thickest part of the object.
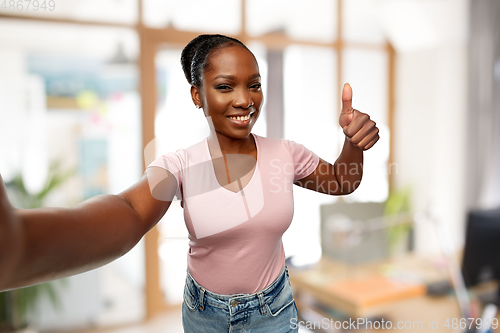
(291, 147)
(299, 152)
(196, 153)
(268, 143)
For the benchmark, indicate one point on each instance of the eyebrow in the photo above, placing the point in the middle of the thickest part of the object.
(231, 77)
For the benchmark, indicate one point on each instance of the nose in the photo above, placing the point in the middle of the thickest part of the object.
(243, 99)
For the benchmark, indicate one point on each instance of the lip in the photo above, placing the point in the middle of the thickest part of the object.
(240, 123)
(241, 114)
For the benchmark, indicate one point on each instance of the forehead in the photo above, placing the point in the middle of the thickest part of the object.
(232, 60)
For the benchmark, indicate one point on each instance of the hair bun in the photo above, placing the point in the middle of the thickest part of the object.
(188, 53)
(194, 57)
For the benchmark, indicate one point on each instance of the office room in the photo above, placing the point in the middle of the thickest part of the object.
(93, 92)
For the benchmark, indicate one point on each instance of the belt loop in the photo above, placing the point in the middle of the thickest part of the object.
(262, 303)
(202, 296)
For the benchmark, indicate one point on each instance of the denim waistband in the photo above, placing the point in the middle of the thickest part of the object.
(237, 302)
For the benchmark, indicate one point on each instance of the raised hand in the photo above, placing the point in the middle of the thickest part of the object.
(361, 131)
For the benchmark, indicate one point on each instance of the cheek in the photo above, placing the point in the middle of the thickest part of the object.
(217, 102)
(260, 104)
(258, 99)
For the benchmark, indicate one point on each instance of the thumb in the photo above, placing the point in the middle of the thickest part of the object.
(347, 112)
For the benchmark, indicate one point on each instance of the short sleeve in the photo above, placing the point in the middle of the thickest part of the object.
(304, 160)
(172, 163)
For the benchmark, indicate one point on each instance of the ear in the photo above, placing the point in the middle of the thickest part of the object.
(195, 95)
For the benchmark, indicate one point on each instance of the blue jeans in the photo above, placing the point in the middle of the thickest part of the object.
(270, 310)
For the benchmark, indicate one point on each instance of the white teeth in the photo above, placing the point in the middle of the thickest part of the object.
(240, 118)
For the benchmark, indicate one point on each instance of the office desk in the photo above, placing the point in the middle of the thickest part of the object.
(366, 291)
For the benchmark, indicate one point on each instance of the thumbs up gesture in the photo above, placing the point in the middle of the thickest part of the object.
(359, 129)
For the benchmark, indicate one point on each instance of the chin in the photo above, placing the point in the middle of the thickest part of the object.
(241, 134)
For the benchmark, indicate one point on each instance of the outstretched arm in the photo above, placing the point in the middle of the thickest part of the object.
(37, 245)
(11, 240)
(344, 176)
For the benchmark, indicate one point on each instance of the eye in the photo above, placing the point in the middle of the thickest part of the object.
(223, 87)
(256, 86)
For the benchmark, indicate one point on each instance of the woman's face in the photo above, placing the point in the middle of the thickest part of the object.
(231, 93)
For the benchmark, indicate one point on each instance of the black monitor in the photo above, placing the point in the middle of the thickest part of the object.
(481, 260)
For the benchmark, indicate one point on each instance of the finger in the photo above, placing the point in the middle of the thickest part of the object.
(368, 138)
(358, 121)
(345, 119)
(346, 98)
(369, 145)
(363, 132)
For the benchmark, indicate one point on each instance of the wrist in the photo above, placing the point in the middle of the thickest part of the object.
(351, 146)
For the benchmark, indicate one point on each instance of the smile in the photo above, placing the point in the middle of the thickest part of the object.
(241, 119)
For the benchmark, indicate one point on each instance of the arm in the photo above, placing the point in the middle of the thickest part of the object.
(10, 237)
(344, 176)
(51, 243)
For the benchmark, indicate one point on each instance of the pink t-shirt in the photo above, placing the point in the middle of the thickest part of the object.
(235, 244)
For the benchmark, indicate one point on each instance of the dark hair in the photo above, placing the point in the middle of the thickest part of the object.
(194, 57)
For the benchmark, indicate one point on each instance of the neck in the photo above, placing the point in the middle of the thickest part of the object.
(225, 145)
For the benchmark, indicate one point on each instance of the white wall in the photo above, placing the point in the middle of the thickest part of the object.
(430, 119)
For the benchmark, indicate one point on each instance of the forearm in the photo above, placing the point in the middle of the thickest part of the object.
(59, 242)
(11, 240)
(348, 167)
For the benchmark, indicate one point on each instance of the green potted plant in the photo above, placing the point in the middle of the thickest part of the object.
(398, 207)
(16, 306)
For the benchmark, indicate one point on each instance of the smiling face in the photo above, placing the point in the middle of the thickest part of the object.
(231, 92)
